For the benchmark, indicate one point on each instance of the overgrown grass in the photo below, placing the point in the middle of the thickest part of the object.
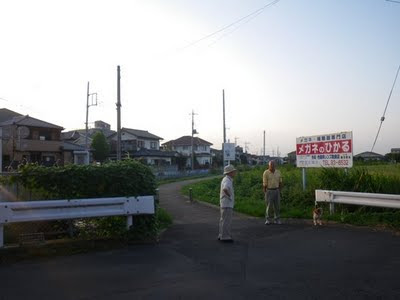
(296, 203)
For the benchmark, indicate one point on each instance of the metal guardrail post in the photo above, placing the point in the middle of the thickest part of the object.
(157, 196)
(129, 221)
(191, 195)
(1, 235)
(331, 208)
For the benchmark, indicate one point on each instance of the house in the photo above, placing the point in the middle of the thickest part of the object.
(369, 156)
(135, 143)
(183, 145)
(25, 138)
(142, 145)
(78, 136)
(395, 150)
(74, 153)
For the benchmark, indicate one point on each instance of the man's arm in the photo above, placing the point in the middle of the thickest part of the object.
(265, 182)
(226, 192)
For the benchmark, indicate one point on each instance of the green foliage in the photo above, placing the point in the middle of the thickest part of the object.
(296, 203)
(113, 179)
(100, 146)
(123, 178)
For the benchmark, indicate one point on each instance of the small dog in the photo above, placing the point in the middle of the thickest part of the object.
(317, 216)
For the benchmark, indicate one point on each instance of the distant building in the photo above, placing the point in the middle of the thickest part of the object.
(369, 156)
(395, 150)
(291, 158)
(183, 145)
(78, 136)
(27, 139)
(142, 145)
(135, 143)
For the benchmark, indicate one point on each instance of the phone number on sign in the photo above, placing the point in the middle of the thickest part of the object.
(332, 162)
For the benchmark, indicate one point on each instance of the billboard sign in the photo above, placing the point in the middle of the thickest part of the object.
(229, 151)
(334, 150)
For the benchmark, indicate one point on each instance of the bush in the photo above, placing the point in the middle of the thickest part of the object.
(114, 179)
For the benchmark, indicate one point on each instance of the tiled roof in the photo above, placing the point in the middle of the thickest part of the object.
(368, 154)
(142, 133)
(187, 141)
(72, 147)
(74, 134)
(6, 114)
(29, 121)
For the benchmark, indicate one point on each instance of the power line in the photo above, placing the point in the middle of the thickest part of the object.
(256, 13)
(384, 112)
(236, 28)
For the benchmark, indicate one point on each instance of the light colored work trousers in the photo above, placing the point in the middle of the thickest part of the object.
(225, 223)
(272, 198)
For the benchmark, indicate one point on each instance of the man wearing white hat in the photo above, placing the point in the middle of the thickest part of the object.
(227, 202)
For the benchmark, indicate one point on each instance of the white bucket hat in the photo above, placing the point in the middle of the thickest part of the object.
(228, 169)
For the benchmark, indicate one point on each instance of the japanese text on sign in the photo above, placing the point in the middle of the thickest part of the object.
(328, 150)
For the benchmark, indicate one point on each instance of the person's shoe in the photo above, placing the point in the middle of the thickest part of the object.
(267, 222)
(278, 222)
(227, 241)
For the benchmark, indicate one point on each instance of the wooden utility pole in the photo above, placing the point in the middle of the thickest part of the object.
(192, 146)
(118, 113)
(88, 104)
(264, 148)
(87, 118)
(223, 110)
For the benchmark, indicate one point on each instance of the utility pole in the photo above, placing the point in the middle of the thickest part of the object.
(193, 132)
(264, 148)
(93, 97)
(236, 138)
(246, 144)
(223, 110)
(118, 113)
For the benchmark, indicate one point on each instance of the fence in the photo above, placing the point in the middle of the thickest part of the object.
(353, 198)
(15, 212)
(165, 173)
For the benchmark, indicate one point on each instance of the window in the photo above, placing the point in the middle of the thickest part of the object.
(153, 145)
(140, 144)
(185, 147)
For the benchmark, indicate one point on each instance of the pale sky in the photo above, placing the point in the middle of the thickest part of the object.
(299, 68)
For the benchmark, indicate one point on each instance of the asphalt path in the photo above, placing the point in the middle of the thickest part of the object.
(294, 260)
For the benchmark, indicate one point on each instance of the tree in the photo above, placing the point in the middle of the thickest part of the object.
(101, 148)
(393, 156)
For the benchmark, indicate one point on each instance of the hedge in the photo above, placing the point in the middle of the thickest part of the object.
(113, 179)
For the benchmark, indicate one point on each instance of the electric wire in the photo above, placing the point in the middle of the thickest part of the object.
(256, 12)
(384, 112)
(236, 28)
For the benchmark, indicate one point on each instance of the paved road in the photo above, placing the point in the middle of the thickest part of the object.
(290, 261)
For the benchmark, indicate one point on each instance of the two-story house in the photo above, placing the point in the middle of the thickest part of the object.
(25, 138)
(201, 149)
(142, 145)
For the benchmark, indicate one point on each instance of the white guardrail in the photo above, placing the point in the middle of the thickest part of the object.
(14, 212)
(366, 199)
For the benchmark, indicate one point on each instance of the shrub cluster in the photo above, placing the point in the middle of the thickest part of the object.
(114, 179)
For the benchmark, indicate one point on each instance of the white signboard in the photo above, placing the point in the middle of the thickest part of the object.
(229, 151)
(334, 150)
